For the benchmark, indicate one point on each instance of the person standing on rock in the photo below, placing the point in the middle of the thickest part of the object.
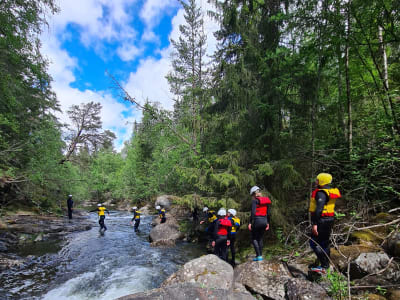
(70, 205)
(100, 211)
(222, 234)
(235, 227)
(259, 220)
(322, 209)
(161, 214)
(136, 218)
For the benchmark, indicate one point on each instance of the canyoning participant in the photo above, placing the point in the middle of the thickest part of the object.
(221, 235)
(322, 209)
(235, 227)
(161, 214)
(100, 211)
(210, 217)
(136, 218)
(70, 205)
(259, 220)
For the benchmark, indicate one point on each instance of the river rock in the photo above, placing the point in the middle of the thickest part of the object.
(164, 201)
(340, 256)
(165, 234)
(185, 291)
(264, 278)
(393, 245)
(369, 263)
(300, 289)
(209, 271)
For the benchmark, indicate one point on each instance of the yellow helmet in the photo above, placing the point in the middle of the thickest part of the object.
(324, 179)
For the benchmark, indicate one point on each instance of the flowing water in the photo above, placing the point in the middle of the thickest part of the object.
(91, 265)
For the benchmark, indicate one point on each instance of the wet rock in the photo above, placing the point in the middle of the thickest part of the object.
(209, 271)
(164, 201)
(370, 263)
(340, 257)
(264, 278)
(300, 289)
(189, 291)
(165, 234)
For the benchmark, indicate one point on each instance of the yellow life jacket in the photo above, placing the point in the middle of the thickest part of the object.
(161, 213)
(213, 216)
(235, 227)
(329, 207)
(100, 210)
(137, 215)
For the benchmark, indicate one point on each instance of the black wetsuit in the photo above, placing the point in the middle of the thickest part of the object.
(161, 213)
(70, 205)
(220, 248)
(258, 225)
(324, 228)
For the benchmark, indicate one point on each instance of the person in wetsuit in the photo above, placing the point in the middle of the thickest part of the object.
(322, 209)
(221, 235)
(136, 218)
(100, 211)
(259, 220)
(210, 218)
(235, 227)
(161, 214)
(70, 205)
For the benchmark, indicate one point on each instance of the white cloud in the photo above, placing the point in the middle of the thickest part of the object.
(153, 9)
(128, 52)
(149, 82)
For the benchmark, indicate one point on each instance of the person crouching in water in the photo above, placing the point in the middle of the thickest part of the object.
(259, 220)
(322, 209)
(136, 218)
(235, 227)
(100, 212)
(222, 233)
(161, 214)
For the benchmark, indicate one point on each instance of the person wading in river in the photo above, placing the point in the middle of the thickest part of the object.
(222, 234)
(70, 205)
(136, 218)
(161, 214)
(100, 211)
(259, 220)
(322, 209)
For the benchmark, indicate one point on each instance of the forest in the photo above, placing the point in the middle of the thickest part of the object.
(295, 88)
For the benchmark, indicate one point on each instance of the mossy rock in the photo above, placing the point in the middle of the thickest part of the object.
(352, 252)
(375, 297)
(383, 217)
(368, 235)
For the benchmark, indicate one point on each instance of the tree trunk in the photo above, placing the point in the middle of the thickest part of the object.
(348, 94)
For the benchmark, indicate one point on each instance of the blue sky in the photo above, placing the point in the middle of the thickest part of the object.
(130, 39)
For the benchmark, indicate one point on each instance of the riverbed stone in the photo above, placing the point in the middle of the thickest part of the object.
(301, 289)
(164, 201)
(370, 263)
(340, 256)
(185, 291)
(393, 244)
(209, 271)
(264, 278)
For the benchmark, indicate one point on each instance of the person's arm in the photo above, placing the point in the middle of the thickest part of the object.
(268, 213)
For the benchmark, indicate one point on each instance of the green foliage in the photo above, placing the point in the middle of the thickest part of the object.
(337, 284)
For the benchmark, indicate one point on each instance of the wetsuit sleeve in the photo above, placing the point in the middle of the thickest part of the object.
(215, 230)
(134, 215)
(268, 213)
(321, 199)
(229, 230)
(253, 210)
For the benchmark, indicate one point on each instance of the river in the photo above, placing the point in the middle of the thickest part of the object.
(90, 265)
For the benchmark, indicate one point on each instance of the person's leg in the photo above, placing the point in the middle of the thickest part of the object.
(224, 249)
(70, 214)
(259, 229)
(232, 246)
(254, 239)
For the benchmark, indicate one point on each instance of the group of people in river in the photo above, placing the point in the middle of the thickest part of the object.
(223, 225)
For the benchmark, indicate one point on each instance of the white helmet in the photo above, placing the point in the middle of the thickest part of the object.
(70, 196)
(99, 204)
(254, 189)
(232, 211)
(134, 207)
(205, 209)
(222, 212)
(158, 207)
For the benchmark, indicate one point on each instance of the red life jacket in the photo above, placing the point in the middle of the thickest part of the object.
(261, 208)
(223, 225)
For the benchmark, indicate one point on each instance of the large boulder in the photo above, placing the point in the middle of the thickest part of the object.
(209, 271)
(186, 291)
(372, 263)
(164, 201)
(299, 289)
(267, 279)
(165, 234)
(340, 257)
